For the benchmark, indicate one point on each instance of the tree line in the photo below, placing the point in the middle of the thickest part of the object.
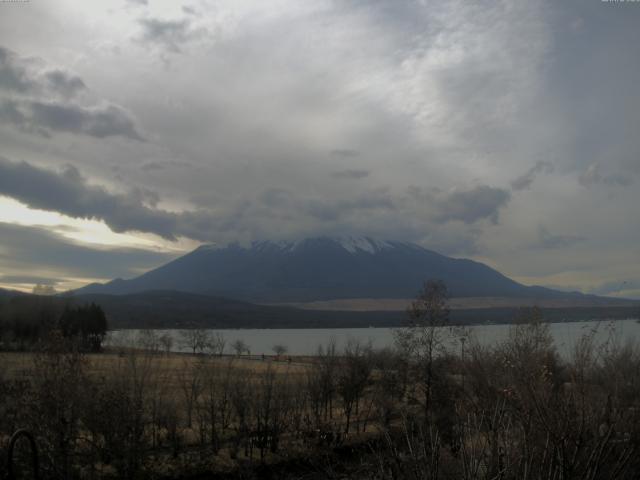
(26, 321)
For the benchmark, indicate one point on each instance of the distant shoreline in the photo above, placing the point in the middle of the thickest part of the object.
(316, 319)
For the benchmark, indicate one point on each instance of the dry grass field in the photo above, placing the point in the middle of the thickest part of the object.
(213, 412)
(174, 370)
(21, 363)
(356, 413)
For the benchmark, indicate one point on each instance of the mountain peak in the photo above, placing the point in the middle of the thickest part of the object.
(354, 244)
(351, 243)
(320, 268)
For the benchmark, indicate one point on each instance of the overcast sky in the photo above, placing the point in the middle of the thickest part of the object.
(132, 131)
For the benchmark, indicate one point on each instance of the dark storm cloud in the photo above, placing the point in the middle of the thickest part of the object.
(43, 117)
(65, 83)
(37, 249)
(525, 181)
(145, 196)
(10, 113)
(549, 241)
(69, 193)
(38, 99)
(13, 74)
(169, 34)
(470, 206)
(354, 174)
(26, 76)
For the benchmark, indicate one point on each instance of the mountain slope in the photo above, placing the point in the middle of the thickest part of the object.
(4, 293)
(321, 269)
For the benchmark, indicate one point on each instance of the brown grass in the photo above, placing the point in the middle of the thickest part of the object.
(20, 364)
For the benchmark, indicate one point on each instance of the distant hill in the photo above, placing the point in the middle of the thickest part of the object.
(4, 293)
(318, 269)
(172, 309)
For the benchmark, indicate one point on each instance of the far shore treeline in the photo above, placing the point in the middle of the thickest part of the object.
(26, 320)
(27, 316)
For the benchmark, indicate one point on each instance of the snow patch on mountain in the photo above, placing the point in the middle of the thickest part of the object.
(365, 244)
(352, 244)
(278, 245)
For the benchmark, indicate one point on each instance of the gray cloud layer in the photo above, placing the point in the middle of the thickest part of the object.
(354, 174)
(69, 193)
(40, 100)
(29, 279)
(304, 118)
(469, 206)
(593, 175)
(549, 240)
(27, 76)
(168, 34)
(525, 181)
(43, 117)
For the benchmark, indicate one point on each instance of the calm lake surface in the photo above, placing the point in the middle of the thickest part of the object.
(306, 341)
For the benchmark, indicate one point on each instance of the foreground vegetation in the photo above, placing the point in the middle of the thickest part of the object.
(512, 411)
(26, 321)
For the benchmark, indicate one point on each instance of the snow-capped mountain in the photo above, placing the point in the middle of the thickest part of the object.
(351, 244)
(322, 268)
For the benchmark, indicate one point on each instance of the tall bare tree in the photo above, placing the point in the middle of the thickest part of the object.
(195, 339)
(422, 339)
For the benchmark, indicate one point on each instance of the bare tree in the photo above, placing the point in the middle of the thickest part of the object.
(190, 381)
(214, 405)
(422, 338)
(390, 385)
(280, 349)
(166, 341)
(120, 409)
(217, 344)
(241, 402)
(353, 378)
(55, 405)
(148, 340)
(240, 347)
(196, 339)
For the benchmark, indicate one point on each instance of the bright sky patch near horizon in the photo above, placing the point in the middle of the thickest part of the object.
(133, 130)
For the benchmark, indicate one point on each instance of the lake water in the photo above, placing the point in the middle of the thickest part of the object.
(306, 341)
